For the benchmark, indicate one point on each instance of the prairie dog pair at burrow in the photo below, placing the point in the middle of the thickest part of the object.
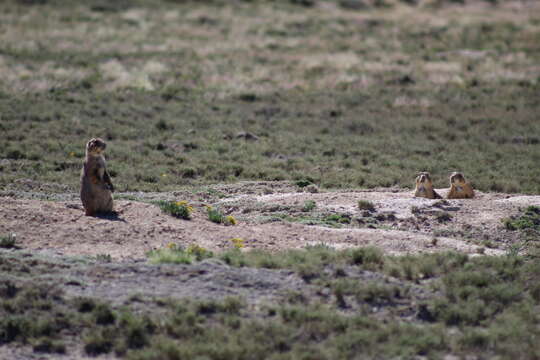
(96, 185)
(459, 187)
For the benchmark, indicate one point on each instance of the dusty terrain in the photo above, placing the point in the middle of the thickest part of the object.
(270, 216)
(65, 258)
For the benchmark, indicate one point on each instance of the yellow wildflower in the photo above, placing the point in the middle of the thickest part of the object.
(238, 242)
(171, 246)
(230, 220)
(185, 204)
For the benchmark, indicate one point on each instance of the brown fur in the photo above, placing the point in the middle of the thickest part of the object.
(459, 187)
(424, 187)
(96, 185)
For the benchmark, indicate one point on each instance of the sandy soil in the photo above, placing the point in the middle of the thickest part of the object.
(62, 227)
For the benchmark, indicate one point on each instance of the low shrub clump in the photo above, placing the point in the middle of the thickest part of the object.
(8, 241)
(309, 205)
(174, 254)
(216, 216)
(471, 306)
(366, 205)
(179, 209)
(529, 219)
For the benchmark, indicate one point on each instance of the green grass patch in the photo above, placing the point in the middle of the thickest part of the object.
(174, 254)
(529, 219)
(187, 118)
(472, 306)
(216, 216)
(8, 241)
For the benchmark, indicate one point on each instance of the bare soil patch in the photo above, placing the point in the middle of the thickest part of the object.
(400, 224)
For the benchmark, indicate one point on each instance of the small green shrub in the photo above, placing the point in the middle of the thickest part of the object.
(230, 305)
(336, 220)
(366, 205)
(13, 328)
(47, 345)
(162, 125)
(98, 342)
(178, 255)
(105, 258)
(104, 315)
(368, 256)
(8, 241)
(169, 256)
(309, 205)
(179, 209)
(135, 330)
(84, 305)
(199, 252)
(530, 219)
(303, 183)
(216, 216)
(443, 217)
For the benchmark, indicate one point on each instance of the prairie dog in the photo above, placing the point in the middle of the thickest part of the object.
(96, 185)
(459, 187)
(424, 187)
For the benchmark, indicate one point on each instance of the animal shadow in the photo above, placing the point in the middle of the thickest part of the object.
(111, 216)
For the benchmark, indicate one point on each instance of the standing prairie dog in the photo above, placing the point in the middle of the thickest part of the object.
(459, 187)
(424, 187)
(96, 185)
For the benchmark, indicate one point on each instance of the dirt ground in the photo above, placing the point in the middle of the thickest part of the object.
(271, 219)
(271, 216)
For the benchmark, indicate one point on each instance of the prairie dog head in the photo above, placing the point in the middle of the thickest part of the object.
(95, 146)
(457, 179)
(424, 180)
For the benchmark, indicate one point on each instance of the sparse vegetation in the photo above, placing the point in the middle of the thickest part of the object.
(181, 92)
(490, 300)
(366, 205)
(238, 243)
(179, 209)
(303, 183)
(174, 254)
(530, 219)
(443, 216)
(317, 94)
(216, 216)
(309, 205)
(8, 241)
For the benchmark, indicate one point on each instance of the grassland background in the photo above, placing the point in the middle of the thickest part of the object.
(342, 94)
